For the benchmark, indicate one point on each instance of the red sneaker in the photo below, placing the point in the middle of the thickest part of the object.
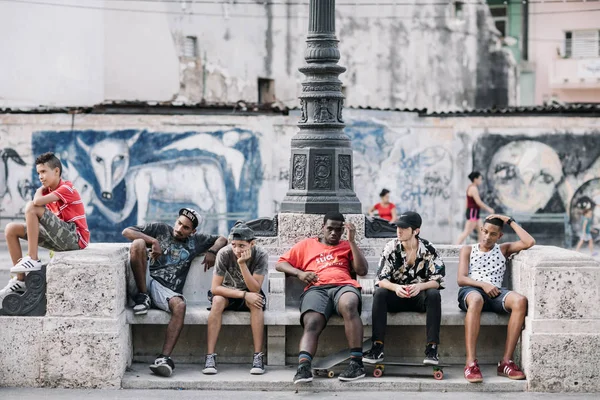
(473, 373)
(510, 370)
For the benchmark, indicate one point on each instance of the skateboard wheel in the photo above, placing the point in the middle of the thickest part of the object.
(330, 374)
(377, 372)
(438, 375)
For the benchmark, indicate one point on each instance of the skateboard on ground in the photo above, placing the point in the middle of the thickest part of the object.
(379, 368)
(323, 366)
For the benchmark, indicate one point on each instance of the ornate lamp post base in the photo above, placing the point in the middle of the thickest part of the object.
(321, 178)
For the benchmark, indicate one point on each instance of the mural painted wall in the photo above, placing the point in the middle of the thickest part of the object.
(545, 174)
(133, 169)
(135, 176)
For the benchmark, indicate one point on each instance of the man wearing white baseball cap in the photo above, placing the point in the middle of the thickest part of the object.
(160, 258)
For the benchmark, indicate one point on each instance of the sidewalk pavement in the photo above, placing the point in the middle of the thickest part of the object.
(71, 394)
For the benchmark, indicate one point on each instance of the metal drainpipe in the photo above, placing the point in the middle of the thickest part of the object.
(525, 47)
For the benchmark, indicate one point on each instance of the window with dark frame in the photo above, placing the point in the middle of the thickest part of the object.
(266, 90)
(500, 16)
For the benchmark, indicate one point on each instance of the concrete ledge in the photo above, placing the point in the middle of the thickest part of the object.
(237, 377)
(198, 315)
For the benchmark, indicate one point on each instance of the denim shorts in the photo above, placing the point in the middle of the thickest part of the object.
(495, 304)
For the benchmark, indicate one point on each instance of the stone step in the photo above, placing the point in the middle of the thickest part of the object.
(237, 377)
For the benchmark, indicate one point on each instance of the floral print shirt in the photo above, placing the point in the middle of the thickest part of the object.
(428, 265)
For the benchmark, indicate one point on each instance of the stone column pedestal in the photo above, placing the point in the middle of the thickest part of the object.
(561, 340)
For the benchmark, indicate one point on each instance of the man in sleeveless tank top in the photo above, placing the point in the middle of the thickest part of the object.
(481, 270)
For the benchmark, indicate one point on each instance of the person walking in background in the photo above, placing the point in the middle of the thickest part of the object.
(586, 230)
(385, 209)
(474, 205)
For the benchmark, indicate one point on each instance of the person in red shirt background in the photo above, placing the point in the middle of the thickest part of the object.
(385, 209)
(325, 265)
(54, 220)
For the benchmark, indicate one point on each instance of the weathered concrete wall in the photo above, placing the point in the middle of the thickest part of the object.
(406, 55)
(130, 168)
(83, 341)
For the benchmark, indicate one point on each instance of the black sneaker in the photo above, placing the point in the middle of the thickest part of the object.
(303, 374)
(258, 368)
(431, 355)
(354, 371)
(142, 304)
(210, 365)
(375, 355)
(163, 366)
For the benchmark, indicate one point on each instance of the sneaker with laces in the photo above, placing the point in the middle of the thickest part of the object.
(210, 364)
(163, 366)
(355, 370)
(473, 372)
(14, 286)
(374, 355)
(510, 370)
(431, 355)
(142, 304)
(303, 374)
(258, 367)
(27, 264)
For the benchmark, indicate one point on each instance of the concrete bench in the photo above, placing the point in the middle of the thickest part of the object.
(283, 300)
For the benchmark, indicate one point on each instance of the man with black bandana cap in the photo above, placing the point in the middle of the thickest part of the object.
(160, 259)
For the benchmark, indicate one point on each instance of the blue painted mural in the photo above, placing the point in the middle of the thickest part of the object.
(129, 177)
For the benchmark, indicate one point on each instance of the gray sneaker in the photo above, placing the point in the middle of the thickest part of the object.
(210, 365)
(354, 371)
(258, 367)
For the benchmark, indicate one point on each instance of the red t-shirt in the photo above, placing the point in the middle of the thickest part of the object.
(69, 208)
(385, 212)
(331, 263)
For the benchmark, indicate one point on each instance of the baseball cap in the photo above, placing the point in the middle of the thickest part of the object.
(409, 219)
(192, 215)
(241, 231)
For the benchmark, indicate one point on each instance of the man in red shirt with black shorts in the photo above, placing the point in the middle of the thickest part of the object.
(325, 265)
(54, 220)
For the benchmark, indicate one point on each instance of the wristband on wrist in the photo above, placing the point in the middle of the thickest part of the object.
(211, 251)
(244, 296)
(510, 221)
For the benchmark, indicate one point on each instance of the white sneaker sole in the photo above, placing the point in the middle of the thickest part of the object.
(303, 380)
(209, 371)
(162, 370)
(140, 312)
(370, 361)
(18, 269)
(343, 379)
(257, 371)
(428, 362)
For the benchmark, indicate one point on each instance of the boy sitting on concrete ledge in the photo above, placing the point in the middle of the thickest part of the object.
(239, 273)
(54, 220)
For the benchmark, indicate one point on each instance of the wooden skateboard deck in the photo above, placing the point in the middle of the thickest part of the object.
(323, 366)
(379, 368)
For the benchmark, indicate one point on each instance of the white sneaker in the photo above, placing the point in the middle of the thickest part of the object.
(27, 264)
(14, 286)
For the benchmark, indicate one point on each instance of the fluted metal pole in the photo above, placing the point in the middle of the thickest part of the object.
(321, 177)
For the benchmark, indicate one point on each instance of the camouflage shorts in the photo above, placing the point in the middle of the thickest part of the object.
(56, 234)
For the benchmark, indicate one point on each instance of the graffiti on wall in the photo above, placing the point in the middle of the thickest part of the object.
(554, 173)
(418, 176)
(15, 182)
(132, 177)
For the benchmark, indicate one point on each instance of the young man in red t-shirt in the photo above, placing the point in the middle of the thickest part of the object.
(54, 220)
(325, 265)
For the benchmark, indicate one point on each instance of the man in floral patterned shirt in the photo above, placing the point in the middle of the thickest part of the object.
(410, 277)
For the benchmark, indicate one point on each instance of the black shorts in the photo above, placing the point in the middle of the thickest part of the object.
(472, 214)
(324, 299)
(236, 304)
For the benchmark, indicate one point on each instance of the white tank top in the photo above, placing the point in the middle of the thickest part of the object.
(487, 267)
